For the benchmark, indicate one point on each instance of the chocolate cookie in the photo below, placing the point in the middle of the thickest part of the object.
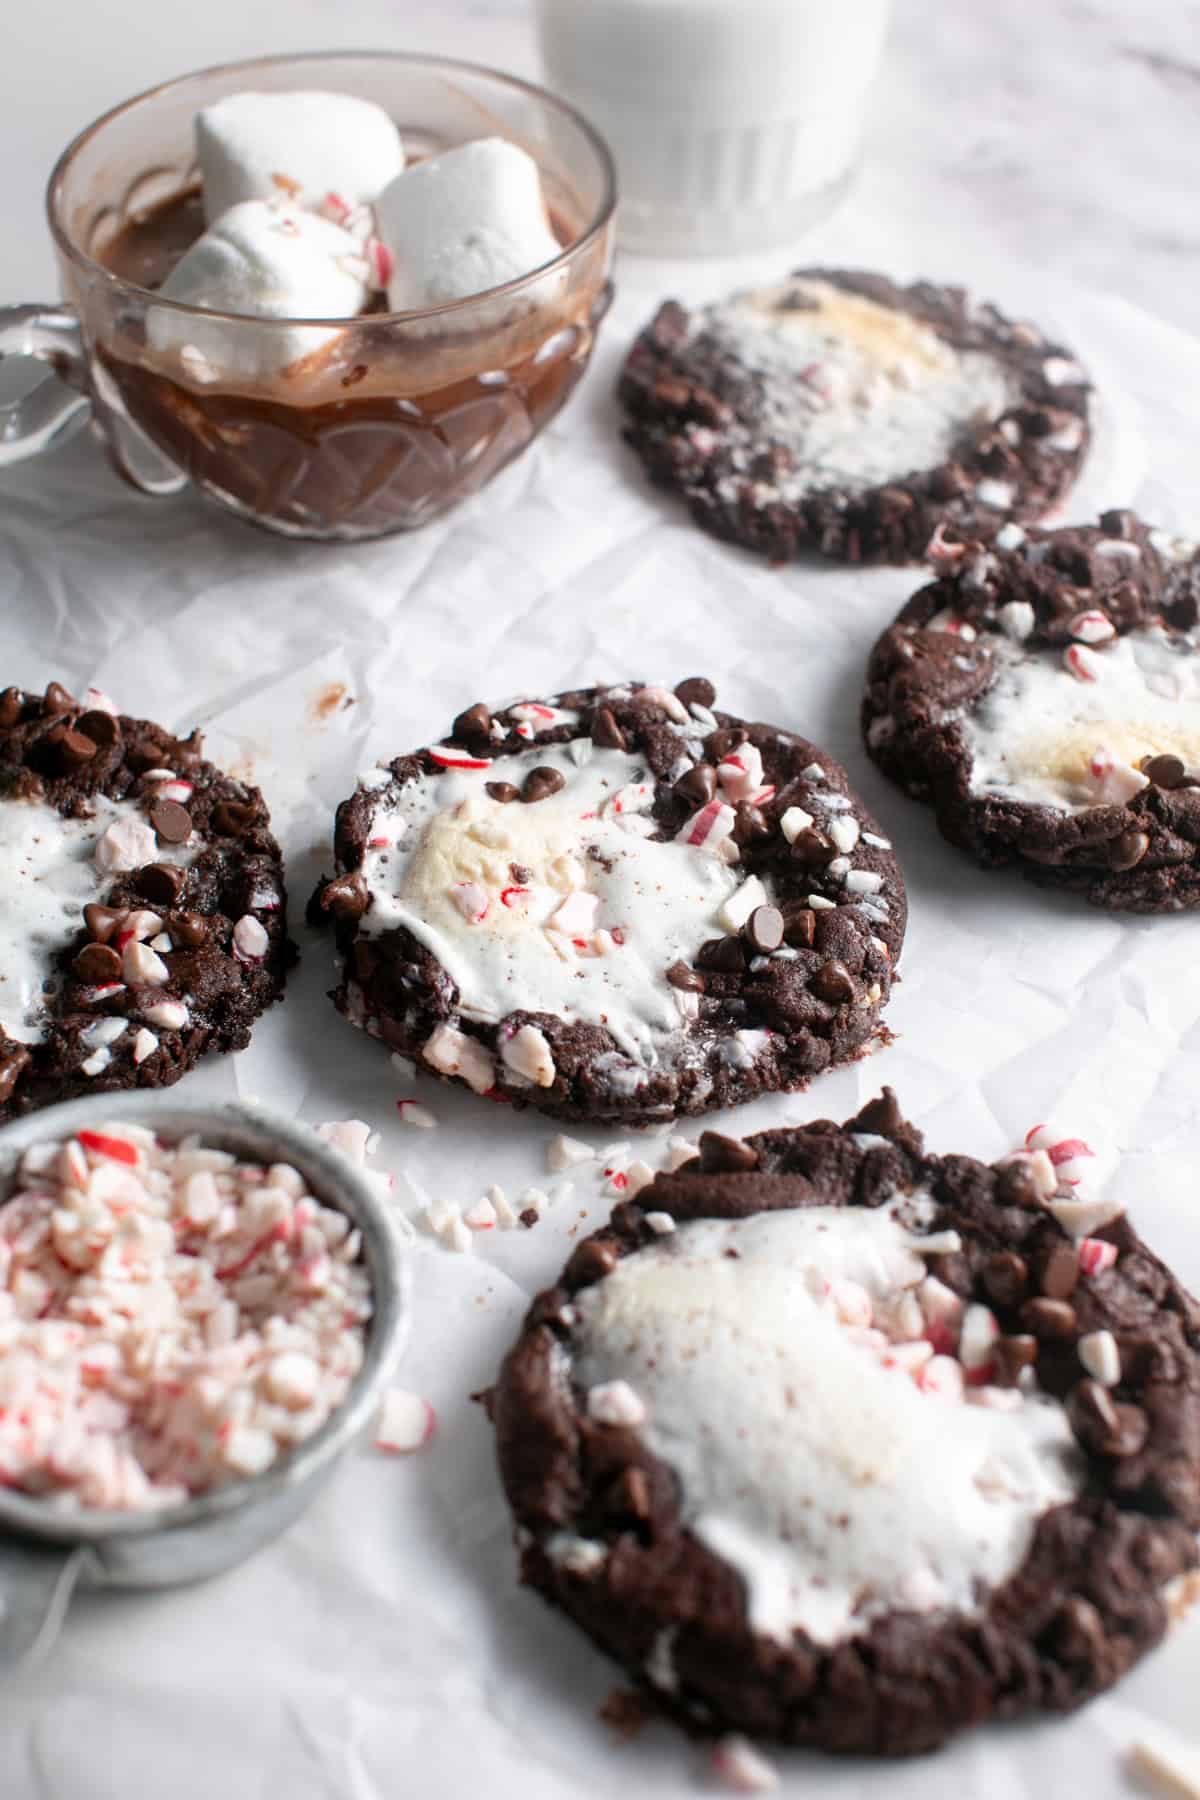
(617, 904)
(142, 916)
(829, 1440)
(1044, 696)
(838, 412)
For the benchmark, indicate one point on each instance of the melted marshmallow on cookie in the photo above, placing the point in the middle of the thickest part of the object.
(1034, 733)
(835, 1486)
(50, 876)
(871, 395)
(481, 885)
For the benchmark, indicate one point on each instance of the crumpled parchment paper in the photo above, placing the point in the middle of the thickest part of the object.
(382, 1648)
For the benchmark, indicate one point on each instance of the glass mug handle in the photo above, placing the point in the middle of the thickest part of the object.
(40, 418)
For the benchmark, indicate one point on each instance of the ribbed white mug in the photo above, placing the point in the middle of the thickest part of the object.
(735, 124)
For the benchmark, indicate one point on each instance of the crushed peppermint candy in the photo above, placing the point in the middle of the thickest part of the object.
(406, 1422)
(173, 1318)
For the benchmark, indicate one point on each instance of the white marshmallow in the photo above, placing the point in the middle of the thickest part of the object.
(298, 147)
(267, 262)
(464, 222)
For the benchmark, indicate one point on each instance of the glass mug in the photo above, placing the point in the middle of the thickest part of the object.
(395, 417)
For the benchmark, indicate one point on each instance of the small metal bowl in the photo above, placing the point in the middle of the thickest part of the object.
(46, 1551)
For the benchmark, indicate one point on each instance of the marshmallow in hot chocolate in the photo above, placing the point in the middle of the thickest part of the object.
(302, 147)
(461, 223)
(266, 262)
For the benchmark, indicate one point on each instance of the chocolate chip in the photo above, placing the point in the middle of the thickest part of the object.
(529, 1217)
(161, 883)
(71, 750)
(523, 876)
(1092, 1413)
(720, 1155)
(698, 786)
(502, 791)
(1119, 522)
(813, 849)
(346, 896)
(724, 955)
(1104, 1426)
(688, 980)
(189, 929)
(833, 982)
(97, 964)
(475, 722)
(172, 822)
(1046, 1318)
(629, 1495)
(1011, 1356)
(57, 699)
(592, 1261)
(11, 707)
(13, 1058)
(1127, 851)
(722, 743)
(1058, 1272)
(799, 926)
(749, 824)
(1133, 1428)
(606, 733)
(1015, 1186)
(101, 921)
(1006, 1277)
(697, 690)
(763, 930)
(1164, 771)
(882, 1116)
(232, 818)
(100, 726)
(540, 783)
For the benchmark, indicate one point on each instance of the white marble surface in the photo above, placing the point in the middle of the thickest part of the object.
(1064, 133)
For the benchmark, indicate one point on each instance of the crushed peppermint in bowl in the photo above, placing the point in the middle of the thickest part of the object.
(199, 1309)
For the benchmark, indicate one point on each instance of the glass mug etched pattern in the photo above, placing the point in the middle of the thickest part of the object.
(396, 416)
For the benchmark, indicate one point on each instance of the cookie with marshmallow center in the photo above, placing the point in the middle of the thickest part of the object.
(143, 909)
(840, 413)
(830, 1440)
(1043, 696)
(618, 904)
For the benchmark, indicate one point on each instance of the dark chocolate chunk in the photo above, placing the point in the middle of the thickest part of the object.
(346, 896)
(606, 733)
(833, 982)
(172, 823)
(697, 690)
(97, 964)
(689, 980)
(233, 818)
(540, 783)
(70, 749)
(764, 929)
(100, 726)
(474, 722)
(1006, 1277)
(161, 883)
(725, 1155)
(1053, 1319)
(723, 955)
(698, 786)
